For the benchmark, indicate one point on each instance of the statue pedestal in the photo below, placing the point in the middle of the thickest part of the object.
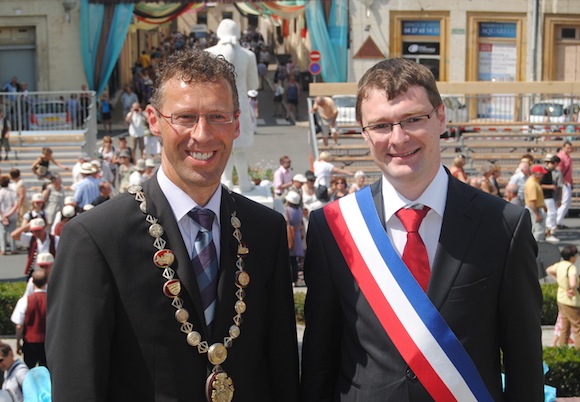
(262, 195)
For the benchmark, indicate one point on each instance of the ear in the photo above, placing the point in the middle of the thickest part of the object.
(237, 129)
(153, 120)
(441, 118)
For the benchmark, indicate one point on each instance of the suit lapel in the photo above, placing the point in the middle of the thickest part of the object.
(158, 206)
(458, 230)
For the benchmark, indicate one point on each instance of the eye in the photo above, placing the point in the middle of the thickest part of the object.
(416, 119)
(185, 118)
(381, 126)
(218, 117)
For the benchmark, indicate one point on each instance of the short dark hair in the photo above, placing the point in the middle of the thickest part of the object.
(568, 252)
(193, 65)
(395, 77)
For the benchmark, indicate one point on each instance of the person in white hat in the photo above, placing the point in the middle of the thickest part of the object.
(293, 213)
(150, 167)
(298, 180)
(36, 210)
(87, 190)
(35, 235)
(68, 212)
(138, 177)
(44, 261)
(255, 113)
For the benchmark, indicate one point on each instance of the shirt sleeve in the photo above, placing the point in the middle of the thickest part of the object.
(19, 311)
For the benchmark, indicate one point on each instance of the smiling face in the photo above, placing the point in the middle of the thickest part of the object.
(409, 161)
(195, 158)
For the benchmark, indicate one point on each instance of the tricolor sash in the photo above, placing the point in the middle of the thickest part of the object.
(405, 312)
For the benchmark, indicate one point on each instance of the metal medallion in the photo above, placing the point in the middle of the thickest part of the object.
(164, 258)
(217, 354)
(242, 279)
(240, 307)
(134, 189)
(194, 338)
(172, 288)
(219, 387)
(181, 315)
(234, 331)
(156, 230)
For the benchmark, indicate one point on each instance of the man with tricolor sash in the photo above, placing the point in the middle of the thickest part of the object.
(420, 287)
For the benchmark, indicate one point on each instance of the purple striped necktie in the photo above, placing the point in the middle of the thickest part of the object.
(205, 262)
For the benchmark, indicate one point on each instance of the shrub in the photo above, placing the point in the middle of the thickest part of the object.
(10, 292)
(299, 298)
(564, 366)
(550, 308)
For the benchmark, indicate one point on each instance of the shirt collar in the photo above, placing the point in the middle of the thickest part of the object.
(434, 196)
(181, 203)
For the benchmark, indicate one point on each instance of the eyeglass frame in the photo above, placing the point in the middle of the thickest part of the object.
(402, 122)
(169, 118)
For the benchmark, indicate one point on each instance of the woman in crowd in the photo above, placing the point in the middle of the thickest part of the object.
(8, 214)
(293, 213)
(53, 196)
(340, 189)
(457, 169)
(568, 298)
(322, 170)
(359, 182)
(41, 166)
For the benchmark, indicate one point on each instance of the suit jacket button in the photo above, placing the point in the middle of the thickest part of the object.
(410, 375)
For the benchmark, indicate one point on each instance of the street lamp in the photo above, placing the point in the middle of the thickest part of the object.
(68, 5)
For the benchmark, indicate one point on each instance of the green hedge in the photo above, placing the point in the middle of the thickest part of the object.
(550, 308)
(10, 292)
(564, 366)
(299, 298)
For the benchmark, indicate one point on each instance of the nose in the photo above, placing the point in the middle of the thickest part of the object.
(398, 134)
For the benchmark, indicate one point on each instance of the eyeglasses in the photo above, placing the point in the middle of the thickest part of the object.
(410, 125)
(190, 120)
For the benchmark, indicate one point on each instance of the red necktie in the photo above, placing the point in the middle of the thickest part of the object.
(415, 254)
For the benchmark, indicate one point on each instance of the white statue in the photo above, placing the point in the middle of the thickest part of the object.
(247, 78)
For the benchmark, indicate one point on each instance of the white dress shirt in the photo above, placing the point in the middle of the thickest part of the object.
(434, 197)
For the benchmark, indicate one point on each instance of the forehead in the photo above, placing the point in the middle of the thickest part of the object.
(198, 94)
(376, 103)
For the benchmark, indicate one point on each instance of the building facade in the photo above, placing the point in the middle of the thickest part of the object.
(460, 40)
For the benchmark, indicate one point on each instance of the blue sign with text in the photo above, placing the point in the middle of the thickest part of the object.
(497, 30)
(422, 28)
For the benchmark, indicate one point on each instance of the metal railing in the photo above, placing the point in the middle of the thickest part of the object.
(55, 112)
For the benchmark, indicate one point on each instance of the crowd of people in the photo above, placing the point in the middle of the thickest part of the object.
(542, 187)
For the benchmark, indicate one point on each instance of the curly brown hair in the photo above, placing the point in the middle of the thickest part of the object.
(395, 77)
(191, 65)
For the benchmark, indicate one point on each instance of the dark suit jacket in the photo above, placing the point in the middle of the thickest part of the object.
(112, 334)
(483, 282)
